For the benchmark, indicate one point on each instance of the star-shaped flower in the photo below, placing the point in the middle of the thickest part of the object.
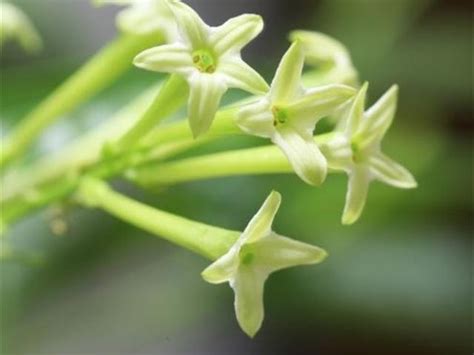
(288, 115)
(256, 254)
(15, 25)
(144, 16)
(357, 150)
(209, 59)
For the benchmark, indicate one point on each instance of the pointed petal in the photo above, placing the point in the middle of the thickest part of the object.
(236, 33)
(318, 103)
(276, 252)
(359, 181)
(191, 26)
(261, 224)
(170, 58)
(223, 269)
(206, 91)
(287, 82)
(257, 119)
(248, 289)
(338, 152)
(379, 118)
(356, 112)
(390, 172)
(240, 75)
(303, 154)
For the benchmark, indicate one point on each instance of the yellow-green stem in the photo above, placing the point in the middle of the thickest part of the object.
(98, 73)
(251, 161)
(208, 241)
(172, 95)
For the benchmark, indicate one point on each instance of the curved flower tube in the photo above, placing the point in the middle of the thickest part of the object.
(144, 16)
(330, 57)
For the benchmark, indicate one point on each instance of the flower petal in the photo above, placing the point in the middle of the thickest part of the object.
(287, 81)
(248, 288)
(261, 224)
(222, 270)
(256, 119)
(316, 104)
(303, 154)
(378, 118)
(338, 152)
(242, 76)
(206, 91)
(169, 58)
(276, 252)
(236, 33)
(359, 181)
(191, 26)
(388, 171)
(356, 112)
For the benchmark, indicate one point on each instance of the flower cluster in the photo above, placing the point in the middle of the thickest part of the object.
(206, 61)
(286, 112)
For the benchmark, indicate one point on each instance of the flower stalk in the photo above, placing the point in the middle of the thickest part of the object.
(101, 71)
(208, 241)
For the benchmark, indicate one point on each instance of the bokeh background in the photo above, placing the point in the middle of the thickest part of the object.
(397, 282)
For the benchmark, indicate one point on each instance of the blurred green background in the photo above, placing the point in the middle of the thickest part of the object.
(397, 282)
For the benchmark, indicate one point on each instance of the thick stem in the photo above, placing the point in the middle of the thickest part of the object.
(98, 73)
(208, 241)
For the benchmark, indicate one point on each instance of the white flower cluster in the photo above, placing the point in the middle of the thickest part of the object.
(285, 112)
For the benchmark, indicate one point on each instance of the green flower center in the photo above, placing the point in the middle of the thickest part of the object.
(204, 61)
(247, 258)
(280, 116)
(356, 152)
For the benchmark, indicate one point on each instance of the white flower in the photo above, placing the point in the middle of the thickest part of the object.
(144, 16)
(256, 254)
(15, 25)
(288, 115)
(209, 59)
(357, 150)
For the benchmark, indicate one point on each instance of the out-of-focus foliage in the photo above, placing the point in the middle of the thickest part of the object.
(396, 282)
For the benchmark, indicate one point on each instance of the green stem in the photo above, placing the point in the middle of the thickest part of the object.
(98, 73)
(59, 189)
(251, 161)
(208, 241)
(172, 95)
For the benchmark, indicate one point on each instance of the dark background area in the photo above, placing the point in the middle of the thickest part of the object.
(397, 282)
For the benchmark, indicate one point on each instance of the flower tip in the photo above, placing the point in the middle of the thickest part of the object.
(314, 177)
(275, 195)
(139, 60)
(251, 328)
(349, 219)
(320, 255)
